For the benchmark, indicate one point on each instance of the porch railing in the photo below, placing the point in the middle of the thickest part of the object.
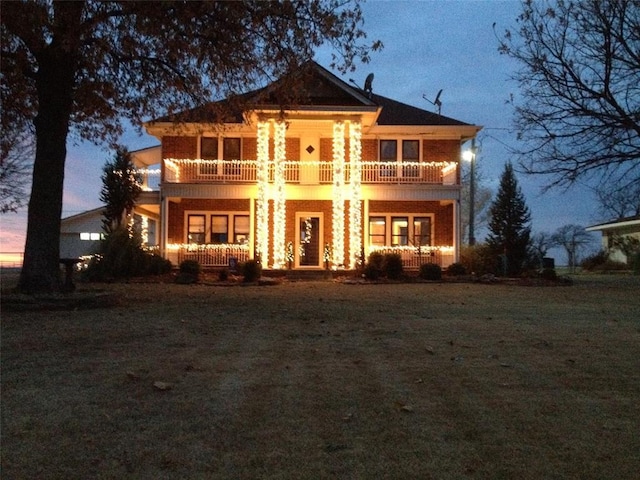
(208, 255)
(320, 172)
(414, 257)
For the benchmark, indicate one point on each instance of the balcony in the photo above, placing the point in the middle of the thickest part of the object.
(308, 173)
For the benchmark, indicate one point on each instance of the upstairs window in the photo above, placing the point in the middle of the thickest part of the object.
(401, 158)
(220, 148)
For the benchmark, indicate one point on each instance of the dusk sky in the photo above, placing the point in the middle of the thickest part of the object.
(428, 46)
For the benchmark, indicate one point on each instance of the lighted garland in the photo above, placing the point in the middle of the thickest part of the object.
(279, 204)
(338, 194)
(355, 209)
(262, 202)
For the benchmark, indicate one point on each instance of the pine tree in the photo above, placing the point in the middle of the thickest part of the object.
(509, 227)
(120, 190)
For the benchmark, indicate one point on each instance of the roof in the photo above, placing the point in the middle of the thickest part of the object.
(615, 224)
(309, 88)
(398, 113)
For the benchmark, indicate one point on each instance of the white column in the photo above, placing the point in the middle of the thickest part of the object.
(262, 202)
(355, 211)
(279, 201)
(338, 195)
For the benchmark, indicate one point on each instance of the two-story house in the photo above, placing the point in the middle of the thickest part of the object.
(320, 185)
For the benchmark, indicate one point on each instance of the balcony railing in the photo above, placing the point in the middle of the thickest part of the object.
(308, 173)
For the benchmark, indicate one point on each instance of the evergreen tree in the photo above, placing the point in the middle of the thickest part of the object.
(120, 190)
(509, 226)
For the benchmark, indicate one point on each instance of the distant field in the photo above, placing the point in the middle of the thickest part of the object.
(326, 380)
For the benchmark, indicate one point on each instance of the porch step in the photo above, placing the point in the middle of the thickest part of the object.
(308, 275)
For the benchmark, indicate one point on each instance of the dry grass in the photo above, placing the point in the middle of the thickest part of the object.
(322, 380)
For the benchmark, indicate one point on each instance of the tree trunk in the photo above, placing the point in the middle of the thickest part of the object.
(57, 63)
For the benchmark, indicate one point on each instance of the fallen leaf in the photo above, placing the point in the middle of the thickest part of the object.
(162, 386)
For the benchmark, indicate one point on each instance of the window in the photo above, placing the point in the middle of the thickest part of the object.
(405, 152)
(399, 231)
(422, 231)
(210, 148)
(219, 228)
(410, 158)
(388, 154)
(231, 151)
(196, 229)
(377, 231)
(241, 229)
(91, 236)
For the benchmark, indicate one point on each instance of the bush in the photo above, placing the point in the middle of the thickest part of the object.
(251, 270)
(430, 271)
(548, 274)
(610, 266)
(456, 270)
(122, 256)
(189, 272)
(371, 272)
(223, 275)
(392, 266)
(373, 267)
(634, 263)
(376, 259)
(191, 267)
(592, 262)
(156, 265)
(478, 259)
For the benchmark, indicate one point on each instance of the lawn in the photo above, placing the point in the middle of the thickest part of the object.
(314, 380)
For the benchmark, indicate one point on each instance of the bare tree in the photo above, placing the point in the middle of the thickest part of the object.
(616, 201)
(574, 239)
(81, 67)
(482, 201)
(580, 83)
(540, 244)
(16, 159)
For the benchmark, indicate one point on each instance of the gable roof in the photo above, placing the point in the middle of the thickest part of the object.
(312, 87)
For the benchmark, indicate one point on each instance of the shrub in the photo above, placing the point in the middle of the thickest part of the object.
(223, 275)
(548, 274)
(456, 269)
(251, 270)
(478, 259)
(376, 259)
(122, 256)
(610, 266)
(430, 271)
(594, 261)
(156, 265)
(634, 263)
(373, 267)
(191, 267)
(371, 272)
(392, 266)
(189, 272)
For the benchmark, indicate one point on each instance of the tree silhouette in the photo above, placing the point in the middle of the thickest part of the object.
(580, 85)
(509, 227)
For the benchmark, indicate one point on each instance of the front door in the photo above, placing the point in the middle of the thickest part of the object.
(309, 240)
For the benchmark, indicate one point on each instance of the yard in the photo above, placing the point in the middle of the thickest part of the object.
(315, 380)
